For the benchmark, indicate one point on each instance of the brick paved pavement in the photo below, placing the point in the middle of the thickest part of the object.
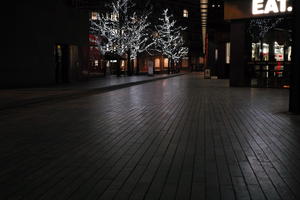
(12, 98)
(181, 138)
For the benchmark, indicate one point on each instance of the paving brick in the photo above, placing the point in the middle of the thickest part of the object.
(180, 138)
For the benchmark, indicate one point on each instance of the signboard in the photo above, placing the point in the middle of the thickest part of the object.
(262, 7)
(237, 9)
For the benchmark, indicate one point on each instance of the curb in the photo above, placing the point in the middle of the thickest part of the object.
(61, 97)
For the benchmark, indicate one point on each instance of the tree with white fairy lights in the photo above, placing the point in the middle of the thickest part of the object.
(169, 40)
(122, 32)
(139, 39)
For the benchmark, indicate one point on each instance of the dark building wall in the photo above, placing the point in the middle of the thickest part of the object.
(217, 40)
(39, 26)
(212, 62)
(295, 72)
(222, 68)
(218, 35)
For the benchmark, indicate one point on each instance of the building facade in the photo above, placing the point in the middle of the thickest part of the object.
(265, 46)
(218, 39)
(261, 42)
(49, 44)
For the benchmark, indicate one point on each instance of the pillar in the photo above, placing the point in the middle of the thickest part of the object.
(239, 73)
(295, 70)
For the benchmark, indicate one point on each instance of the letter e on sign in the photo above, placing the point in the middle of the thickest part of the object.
(258, 7)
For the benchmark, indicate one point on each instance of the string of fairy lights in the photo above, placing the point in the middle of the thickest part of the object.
(258, 28)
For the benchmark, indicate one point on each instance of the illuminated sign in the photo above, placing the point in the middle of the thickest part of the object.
(260, 7)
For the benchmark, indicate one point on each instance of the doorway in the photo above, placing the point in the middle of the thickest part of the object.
(62, 64)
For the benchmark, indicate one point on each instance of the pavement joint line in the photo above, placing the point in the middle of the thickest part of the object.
(83, 92)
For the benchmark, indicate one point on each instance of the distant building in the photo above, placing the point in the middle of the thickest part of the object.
(186, 13)
(51, 42)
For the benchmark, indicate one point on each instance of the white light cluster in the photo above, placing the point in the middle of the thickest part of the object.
(260, 7)
(170, 41)
(203, 11)
(120, 37)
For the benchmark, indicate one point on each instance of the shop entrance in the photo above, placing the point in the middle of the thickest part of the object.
(270, 55)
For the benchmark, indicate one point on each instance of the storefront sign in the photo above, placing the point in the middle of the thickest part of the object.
(243, 9)
(260, 7)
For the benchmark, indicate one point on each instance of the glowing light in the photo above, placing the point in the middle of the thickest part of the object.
(282, 5)
(257, 6)
(260, 7)
(271, 6)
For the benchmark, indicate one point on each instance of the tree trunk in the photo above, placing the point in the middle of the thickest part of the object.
(118, 70)
(171, 70)
(169, 65)
(137, 65)
(129, 67)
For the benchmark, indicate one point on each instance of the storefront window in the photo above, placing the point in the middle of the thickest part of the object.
(260, 52)
(265, 52)
(278, 52)
(256, 51)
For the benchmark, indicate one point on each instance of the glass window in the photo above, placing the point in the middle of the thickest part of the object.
(185, 13)
(94, 16)
(265, 52)
(278, 52)
(166, 63)
(157, 63)
(96, 63)
(256, 51)
(185, 62)
(114, 17)
(260, 52)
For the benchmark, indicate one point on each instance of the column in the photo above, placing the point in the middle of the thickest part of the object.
(239, 73)
(295, 70)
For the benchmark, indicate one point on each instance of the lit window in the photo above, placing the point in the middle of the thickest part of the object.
(166, 63)
(185, 62)
(185, 13)
(94, 16)
(114, 17)
(122, 63)
(157, 63)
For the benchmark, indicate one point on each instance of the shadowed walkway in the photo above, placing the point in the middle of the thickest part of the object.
(181, 138)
